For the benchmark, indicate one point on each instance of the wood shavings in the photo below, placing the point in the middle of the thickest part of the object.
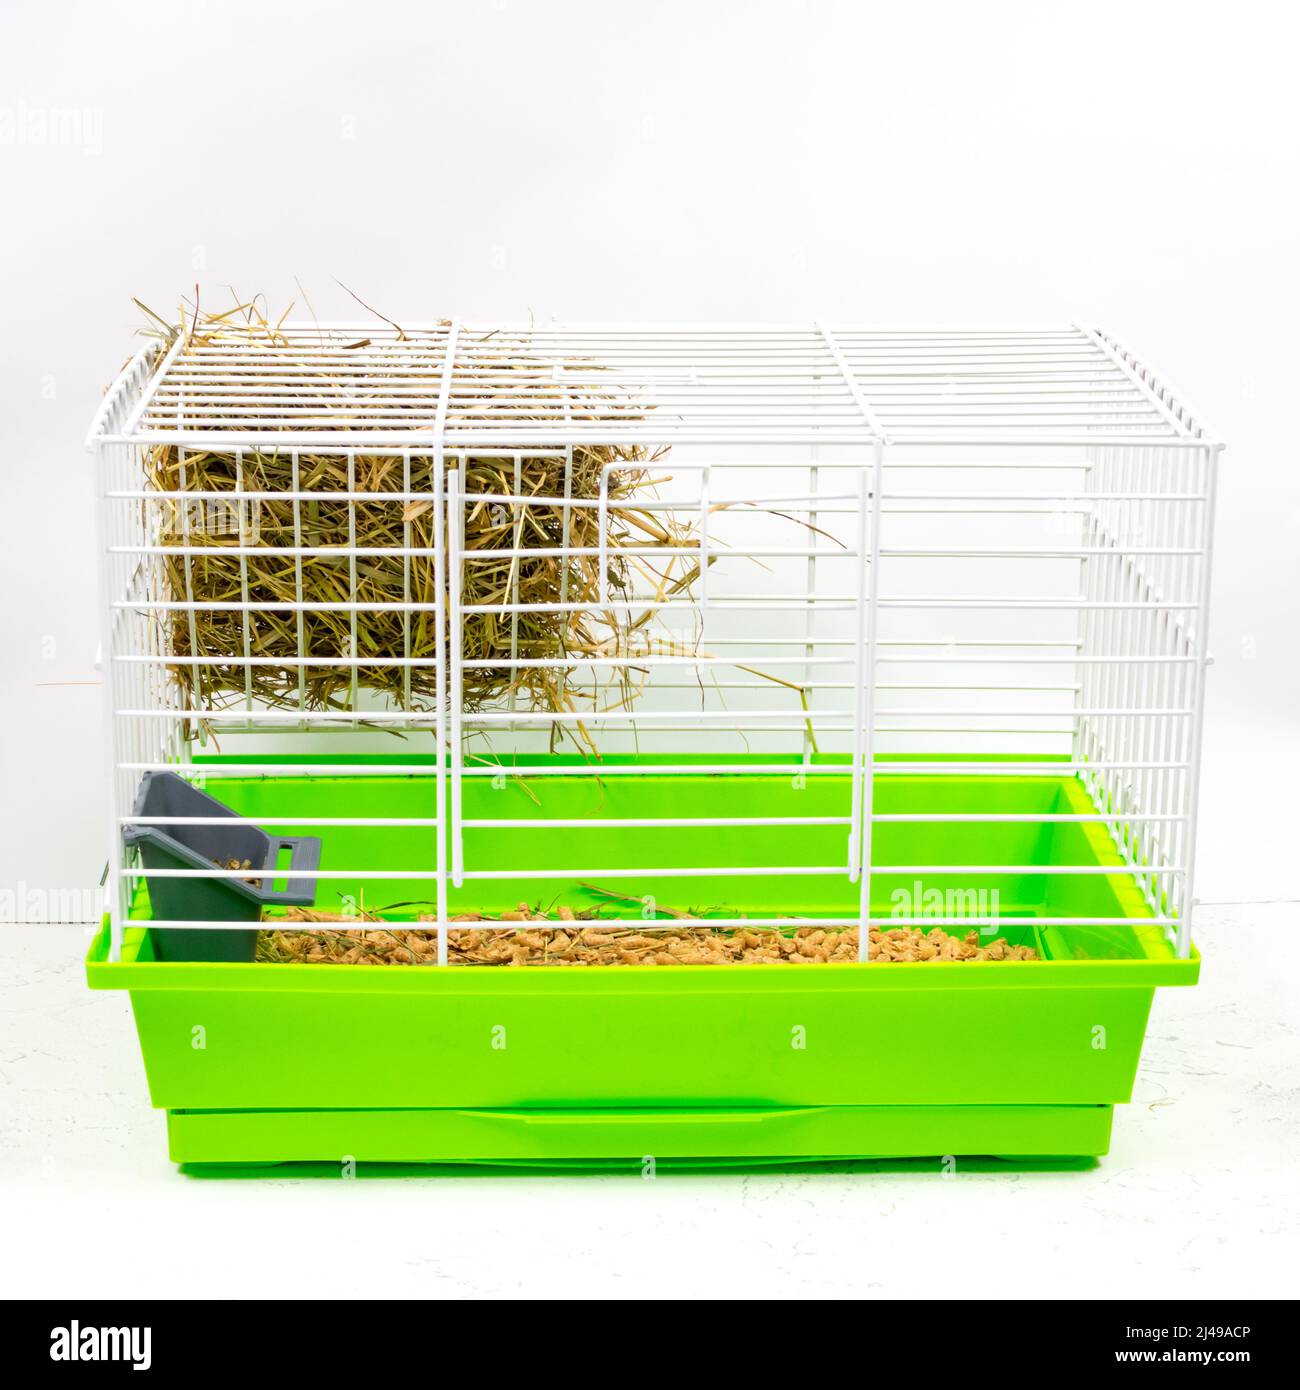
(564, 940)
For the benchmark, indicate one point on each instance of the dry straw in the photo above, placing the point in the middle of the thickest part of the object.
(269, 576)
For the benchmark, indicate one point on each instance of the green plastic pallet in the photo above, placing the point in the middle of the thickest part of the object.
(263, 1063)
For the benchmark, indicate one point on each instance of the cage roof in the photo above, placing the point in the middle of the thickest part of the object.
(475, 386)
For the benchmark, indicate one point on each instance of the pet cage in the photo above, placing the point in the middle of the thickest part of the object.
(778, 636)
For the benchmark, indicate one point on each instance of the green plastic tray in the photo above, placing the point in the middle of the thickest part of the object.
(262, 1064)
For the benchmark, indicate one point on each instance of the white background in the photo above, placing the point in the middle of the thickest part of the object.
(1132, 165)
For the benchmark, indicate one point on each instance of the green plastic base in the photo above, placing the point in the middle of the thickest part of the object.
(259, 1063)
(545, 1137)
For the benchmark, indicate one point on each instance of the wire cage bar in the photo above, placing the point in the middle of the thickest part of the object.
(816, 591)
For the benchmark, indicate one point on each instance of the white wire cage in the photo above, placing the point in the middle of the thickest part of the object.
(958, 561)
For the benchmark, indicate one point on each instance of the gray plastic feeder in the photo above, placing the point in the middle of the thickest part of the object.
(164, 846)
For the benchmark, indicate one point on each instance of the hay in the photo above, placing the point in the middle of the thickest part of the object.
(386, 634)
